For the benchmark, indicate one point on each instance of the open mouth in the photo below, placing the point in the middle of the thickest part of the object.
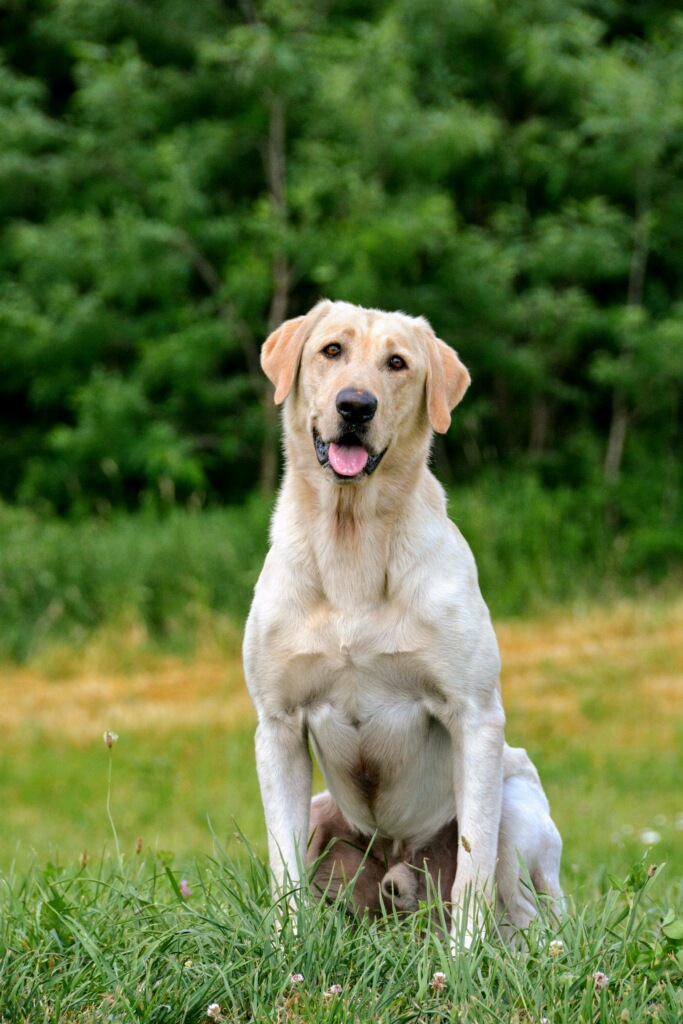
(348, 457)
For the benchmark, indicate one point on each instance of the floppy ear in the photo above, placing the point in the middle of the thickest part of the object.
(447, 382)
(281, 351)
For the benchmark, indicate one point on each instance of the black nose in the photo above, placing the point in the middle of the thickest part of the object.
(356, 406)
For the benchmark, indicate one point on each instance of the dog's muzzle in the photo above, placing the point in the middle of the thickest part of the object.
(348, 458)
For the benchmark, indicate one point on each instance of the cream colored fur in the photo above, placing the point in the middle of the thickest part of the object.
(368, 636)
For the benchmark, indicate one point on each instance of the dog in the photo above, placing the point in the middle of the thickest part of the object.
(368, 639)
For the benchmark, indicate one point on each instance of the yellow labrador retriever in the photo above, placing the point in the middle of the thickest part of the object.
(368, 637)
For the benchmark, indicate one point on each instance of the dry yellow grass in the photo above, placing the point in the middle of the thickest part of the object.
(551, 668)
(632, 636)
(616, 671)
(165, 695)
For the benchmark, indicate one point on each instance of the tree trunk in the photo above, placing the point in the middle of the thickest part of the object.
(616, 440)
(540, 421)
(617, 436)
(275, 159)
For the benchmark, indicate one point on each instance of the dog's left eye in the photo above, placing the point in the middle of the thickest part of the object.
(332, 350)
(397, 363)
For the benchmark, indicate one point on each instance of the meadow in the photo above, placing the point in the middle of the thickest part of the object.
(133, 886)
(132, 879)
(593, 693)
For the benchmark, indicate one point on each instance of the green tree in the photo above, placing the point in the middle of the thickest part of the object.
(175, 180)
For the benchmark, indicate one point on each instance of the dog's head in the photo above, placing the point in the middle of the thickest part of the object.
(363, 385)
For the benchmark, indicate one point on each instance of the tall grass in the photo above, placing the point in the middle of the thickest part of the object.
(536, 547)
(135, 943)
(62, 581)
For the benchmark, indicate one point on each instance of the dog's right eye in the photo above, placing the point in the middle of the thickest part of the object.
(332, 350)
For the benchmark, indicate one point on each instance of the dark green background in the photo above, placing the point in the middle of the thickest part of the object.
(176, 178)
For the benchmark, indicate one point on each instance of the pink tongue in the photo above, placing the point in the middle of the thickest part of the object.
(347, 460)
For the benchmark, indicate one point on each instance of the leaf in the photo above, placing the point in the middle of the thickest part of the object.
(174, 883)
(637, 877)
(674, 929)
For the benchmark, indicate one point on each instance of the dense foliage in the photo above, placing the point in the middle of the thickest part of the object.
(170, 581)
(176, 179)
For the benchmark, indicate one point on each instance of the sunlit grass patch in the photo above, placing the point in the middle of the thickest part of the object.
(597, 698)
(170, 789)
(154, 695)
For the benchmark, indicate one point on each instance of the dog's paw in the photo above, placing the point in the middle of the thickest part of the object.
(469, 920)
(399, 888)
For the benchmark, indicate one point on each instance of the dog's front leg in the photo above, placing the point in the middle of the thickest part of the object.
(478, 739)
(285, 775)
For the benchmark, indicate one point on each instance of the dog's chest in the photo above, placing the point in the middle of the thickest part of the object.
(346, 657)
(362, 684)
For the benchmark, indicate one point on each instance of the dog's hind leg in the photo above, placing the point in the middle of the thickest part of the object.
(342, 859)
(527, 833)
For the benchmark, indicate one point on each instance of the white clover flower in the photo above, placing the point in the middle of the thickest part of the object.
(214, 1011)
(601, 980)
(438, 982)
(110, 738)
(649, 836)
(334, 990)
(556, 947)
(296, 979)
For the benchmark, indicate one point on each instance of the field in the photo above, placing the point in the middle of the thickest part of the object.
(128, 625)
(95, 843)
(594, 694)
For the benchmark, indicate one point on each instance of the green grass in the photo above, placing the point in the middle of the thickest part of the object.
(64, 581)
(120, 943)
(173, 790)
(170, 792)
(595, 697)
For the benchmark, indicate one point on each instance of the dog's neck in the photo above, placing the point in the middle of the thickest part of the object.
(353, 531)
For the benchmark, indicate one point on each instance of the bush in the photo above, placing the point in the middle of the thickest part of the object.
(62, 581)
